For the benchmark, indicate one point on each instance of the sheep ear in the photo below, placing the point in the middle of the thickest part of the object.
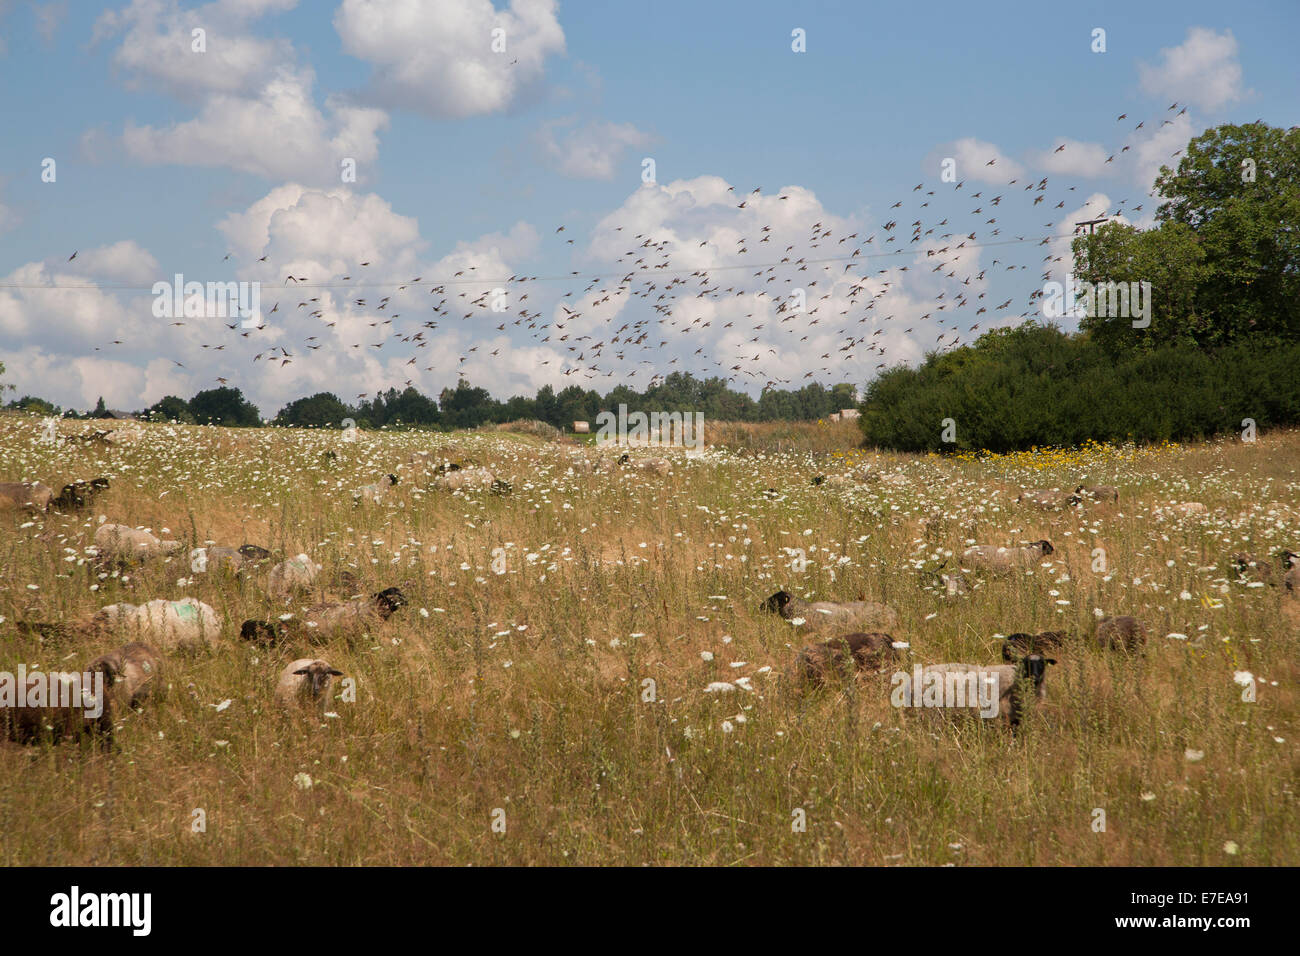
(1049, 660)
(333, 673)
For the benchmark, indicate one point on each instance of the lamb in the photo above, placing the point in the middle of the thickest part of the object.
(817, 662)
(79, 494)
(374, 493)
(1019, 645)
(323, 622)
(24, 496)
(991, 558)
(1121, 633)
(868, 615)
(186, 624)
(1049, 499)
(64, 718)
(1011, 681)
(1098, 492)
(133, 671)
(305, 685)
(119, 542)
(291, 576)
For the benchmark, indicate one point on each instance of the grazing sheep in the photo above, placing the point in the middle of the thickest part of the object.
(1121, 633)
(79, 494)
(61, 719)
(1048, 499)
(1261, 570)
(234, 560)
(133, 671)
(456, 478)
(374, 494)
(817, 662)
(1017, 646)
(305, 685)
(1010, 680)
(321, 623)
(991, 558)
(868, 615)
(24, 496)
(119, 542)
(186, 624)
(1098, 492)
(1292, 582)
(291, 576)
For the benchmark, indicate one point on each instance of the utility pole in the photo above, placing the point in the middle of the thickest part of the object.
(1092, 224)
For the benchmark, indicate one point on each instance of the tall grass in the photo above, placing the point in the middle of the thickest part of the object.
(566, 696)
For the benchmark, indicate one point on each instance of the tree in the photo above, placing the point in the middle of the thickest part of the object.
(322, 410)
(224, 406)
(34, 405)
(101, 410)
(171, 408)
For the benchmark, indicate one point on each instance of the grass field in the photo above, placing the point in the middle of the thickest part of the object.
(564, 701)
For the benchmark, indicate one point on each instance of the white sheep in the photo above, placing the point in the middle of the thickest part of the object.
(24, 496)
(991, 558)
(863, 615)
(374, 493)
(289, 577)
(957, 688)
(305, 684)
(123, 543)
(186, 624)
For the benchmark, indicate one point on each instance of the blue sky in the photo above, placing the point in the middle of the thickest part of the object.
(468, 159)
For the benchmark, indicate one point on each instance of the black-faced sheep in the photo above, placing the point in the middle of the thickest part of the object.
(291, 577)
(959, 687)
(79, 494)
(133, 671)
(305, 685)
(1049, 499)
(323, 622)
(867, 615)
(1098, 492)
(1249, 566)
(374, 494)
(1020, 645)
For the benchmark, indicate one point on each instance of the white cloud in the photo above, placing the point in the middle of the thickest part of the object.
(435, 56)
(1077, 159)
(278, 134)
(973, 157)
(590, 151)
(1203, 70)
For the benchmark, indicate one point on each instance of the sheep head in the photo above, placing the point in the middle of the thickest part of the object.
(389, 600)
(777, 603)
(318, 674)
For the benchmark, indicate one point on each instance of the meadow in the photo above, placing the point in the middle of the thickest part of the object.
(543, 698)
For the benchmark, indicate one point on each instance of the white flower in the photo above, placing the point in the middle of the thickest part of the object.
(719, 687)
(1230, 847)
(302, 781)
(223, 705)
(706, 655)
(1193, 756)
(1148, 796)
(727, 727)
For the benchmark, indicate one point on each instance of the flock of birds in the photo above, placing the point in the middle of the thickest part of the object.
(764, 266)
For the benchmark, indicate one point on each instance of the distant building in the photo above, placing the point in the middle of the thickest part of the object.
(850, 413)
(581, 428)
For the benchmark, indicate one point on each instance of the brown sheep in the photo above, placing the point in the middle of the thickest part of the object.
(24, 496)
(1121, 633)
(62, 719)
(134, 672)
(817, 663)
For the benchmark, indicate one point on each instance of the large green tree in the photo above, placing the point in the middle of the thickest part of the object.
(224, 406)
(322, 410)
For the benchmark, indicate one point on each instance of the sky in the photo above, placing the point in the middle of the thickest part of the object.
(334, 153)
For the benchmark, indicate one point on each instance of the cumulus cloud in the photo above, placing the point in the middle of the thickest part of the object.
(1077, 159)
(1203, 70)
(590, 151)
(436, 56)
(278, 134)
(973, 157)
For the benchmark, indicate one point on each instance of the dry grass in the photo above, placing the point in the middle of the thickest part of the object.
(525, 691)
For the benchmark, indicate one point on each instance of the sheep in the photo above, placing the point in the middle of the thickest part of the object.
(305, 685)
(291, 576)
(968, 681)
(374, 494)
(58, 716)
(1018, 645)
(133, 671)
(79, 494)
(323, 622)
(1048, 499)
(817, 662)
(24, 496)
(1260, 570)
(1190, 508)
(456, 478)
(1121, 633)
(186, 624)
(119, 542)
(234, 560)
(1098, 492)
(868, 615)
(991, 558)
